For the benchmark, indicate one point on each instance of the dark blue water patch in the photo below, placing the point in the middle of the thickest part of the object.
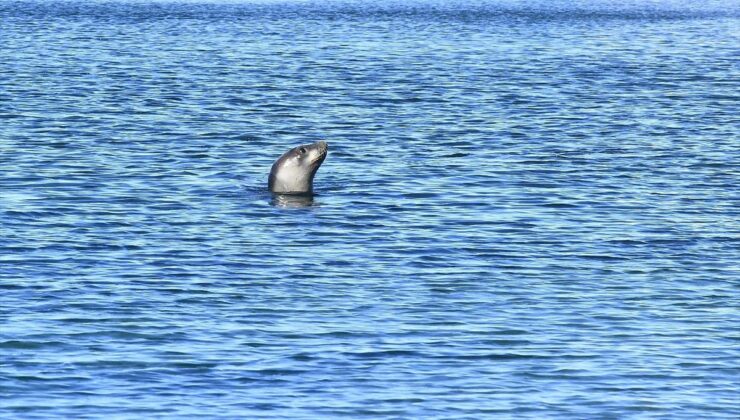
(168, 12)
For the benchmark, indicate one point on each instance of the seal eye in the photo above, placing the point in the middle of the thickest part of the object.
(302, 150)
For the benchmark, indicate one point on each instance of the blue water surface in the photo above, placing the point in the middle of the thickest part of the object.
(530, 209)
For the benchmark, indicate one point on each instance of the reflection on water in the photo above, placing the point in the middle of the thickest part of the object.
(292, 200)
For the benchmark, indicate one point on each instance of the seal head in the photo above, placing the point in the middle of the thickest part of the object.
(293, 172)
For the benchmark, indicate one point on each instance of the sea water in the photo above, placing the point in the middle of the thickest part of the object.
(530, 209)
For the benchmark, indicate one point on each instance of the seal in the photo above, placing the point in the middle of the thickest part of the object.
(293, 172)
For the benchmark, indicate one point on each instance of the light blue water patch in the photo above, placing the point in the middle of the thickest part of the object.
(528, 210)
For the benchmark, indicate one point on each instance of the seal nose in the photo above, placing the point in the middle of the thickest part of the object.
(323, 146)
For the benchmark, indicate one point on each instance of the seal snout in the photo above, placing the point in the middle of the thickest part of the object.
(323, 148)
